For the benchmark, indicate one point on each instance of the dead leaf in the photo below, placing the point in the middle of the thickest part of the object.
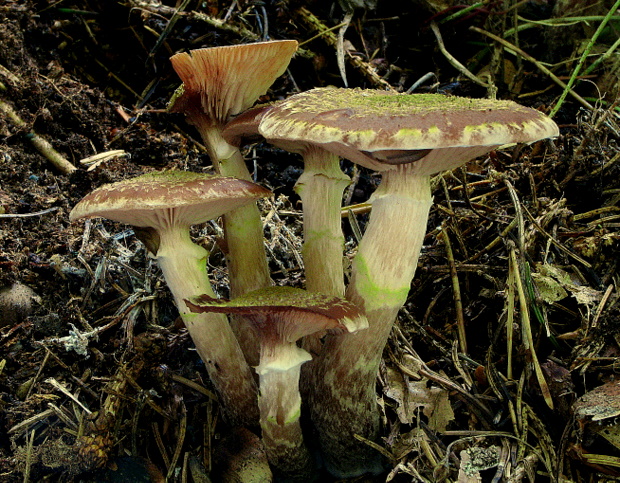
(410, 396)
(600, 403)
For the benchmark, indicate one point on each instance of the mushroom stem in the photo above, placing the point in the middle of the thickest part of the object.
(343, 401)
(246, 258)
(387, 257)
(280, 408)
(183, 264)
(320, 187)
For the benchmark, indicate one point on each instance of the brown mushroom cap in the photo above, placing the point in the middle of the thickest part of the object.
(244, 127)
(225, 81)
(286, 313)
(148, 200)
(283, 315)
(378, 128)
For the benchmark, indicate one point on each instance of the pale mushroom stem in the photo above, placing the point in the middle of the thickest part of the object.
(246, 258)
(343, 399)
(183, 264)
(280, 408)
(320, 188)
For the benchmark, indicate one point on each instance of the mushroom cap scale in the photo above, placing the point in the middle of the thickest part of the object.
(194, 197)
(217, 78)
(287, 314)
(375, 128)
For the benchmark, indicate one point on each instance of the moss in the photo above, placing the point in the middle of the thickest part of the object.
(356, 103)
(177, 95)
(272, 299)
(171, 176)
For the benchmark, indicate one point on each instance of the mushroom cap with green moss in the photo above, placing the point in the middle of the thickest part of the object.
(167, 196)
(224, 81)
(378, 129)
(287, 313)
(283, 315)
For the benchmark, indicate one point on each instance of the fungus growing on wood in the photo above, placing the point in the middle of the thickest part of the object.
(407, 138)
(162, 206)
(281, 316)
(218, 83)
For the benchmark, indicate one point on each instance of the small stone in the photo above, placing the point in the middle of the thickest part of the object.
(16, 303)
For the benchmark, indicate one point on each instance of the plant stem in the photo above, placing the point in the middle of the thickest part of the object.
(539, 65)
(41, 145)
(582, 59)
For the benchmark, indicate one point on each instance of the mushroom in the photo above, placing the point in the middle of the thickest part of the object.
(281, 316)
(162, 206)
(218, 83)
(407, 138)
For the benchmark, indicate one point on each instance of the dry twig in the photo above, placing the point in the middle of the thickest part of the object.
(41, 145)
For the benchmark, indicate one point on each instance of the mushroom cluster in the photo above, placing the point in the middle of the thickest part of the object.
(316, 350)
(406, 138)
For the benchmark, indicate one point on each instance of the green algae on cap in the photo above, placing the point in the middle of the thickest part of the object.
(364, 102)
(198, 197)
(304, 312)
(343, 120)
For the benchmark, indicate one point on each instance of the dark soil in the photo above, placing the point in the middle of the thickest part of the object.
(96, 332)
